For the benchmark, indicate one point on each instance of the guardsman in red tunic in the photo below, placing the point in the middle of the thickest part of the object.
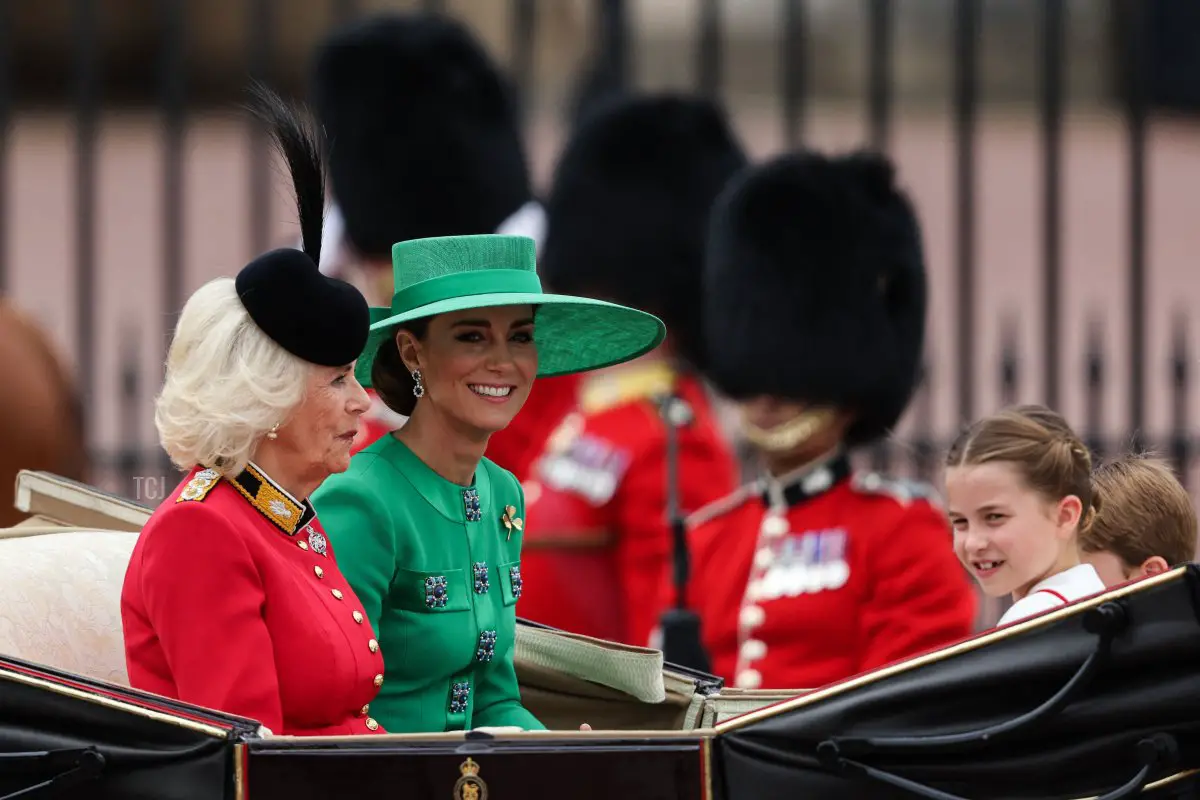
(626, 219)
(518, 447)
(815, 310)
(409, 157)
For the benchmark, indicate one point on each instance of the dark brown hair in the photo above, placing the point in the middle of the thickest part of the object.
(1041, 445)
(390, 378)
(1146, 513)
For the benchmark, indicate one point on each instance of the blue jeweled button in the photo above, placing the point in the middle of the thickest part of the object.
(487, 646)
(514, 574)
(435, 592)
(459, 694)
(471, 505)
(482, 582)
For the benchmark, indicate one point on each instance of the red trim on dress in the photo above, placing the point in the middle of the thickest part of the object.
(1056, 594)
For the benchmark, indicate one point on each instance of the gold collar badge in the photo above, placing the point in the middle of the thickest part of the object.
(270, 499)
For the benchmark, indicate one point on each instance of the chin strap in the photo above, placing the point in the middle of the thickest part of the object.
(789, 435)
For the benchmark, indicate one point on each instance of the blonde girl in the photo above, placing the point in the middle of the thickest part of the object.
(1019, 495)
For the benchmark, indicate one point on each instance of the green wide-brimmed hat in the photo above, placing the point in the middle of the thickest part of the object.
(454, 273)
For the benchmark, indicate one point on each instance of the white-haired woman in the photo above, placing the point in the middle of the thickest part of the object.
(233, 600)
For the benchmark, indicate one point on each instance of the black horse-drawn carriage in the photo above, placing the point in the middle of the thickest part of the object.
(1099, 699)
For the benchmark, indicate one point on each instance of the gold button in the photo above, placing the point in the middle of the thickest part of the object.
(372, 724)
(374, 645)
(320, 572)
(303, 544)
(753, 650)
(365, 709)
(337, 593)
(378, 680)
(775, 525)
(749, 679)
(751, 616)
(358, 617)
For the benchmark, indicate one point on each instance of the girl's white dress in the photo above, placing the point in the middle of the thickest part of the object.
(1057, 590)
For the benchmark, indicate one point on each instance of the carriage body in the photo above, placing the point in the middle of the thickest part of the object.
(1095, 699)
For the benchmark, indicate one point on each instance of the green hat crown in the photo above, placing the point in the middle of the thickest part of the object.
(427, 271)
(447, 274)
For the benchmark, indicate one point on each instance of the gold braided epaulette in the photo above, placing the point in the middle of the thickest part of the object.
(199, 486)
(625, 384)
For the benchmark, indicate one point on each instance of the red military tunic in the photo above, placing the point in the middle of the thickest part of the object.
(517, 447)
(596, 535)
(839, 574)
(233, 601)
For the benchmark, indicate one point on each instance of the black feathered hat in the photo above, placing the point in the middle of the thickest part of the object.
(315, 318)
(423, 134)
(816, 289)
(627, 211)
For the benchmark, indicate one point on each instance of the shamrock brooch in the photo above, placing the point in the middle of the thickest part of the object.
(511, 520)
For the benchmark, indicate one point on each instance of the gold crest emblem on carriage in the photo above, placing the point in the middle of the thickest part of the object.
(470, 786)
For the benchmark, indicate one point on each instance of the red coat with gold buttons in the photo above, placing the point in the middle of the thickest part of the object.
(596, 528)
(828, 575)
(233, 601)
(517, 447)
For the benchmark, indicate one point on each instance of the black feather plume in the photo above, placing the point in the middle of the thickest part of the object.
(295, 136)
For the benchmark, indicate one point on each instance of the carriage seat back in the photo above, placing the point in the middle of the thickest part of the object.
(60, 598)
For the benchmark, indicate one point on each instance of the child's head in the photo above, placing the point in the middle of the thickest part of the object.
(1018, 492)
(1147, 524)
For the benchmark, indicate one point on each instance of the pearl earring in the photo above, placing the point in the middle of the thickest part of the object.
(272, 434)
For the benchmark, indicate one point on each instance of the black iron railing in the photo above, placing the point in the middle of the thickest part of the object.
(1149, 70)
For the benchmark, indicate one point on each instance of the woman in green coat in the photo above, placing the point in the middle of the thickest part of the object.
(427, 530)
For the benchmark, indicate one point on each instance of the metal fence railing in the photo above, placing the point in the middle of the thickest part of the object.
(1142, 33)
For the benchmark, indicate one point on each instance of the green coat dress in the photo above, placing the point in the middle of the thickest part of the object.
(437, 567)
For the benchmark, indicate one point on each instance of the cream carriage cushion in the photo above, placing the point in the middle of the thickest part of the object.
(60, 598)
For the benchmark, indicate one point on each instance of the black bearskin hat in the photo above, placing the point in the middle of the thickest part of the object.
(423, 134)
(816, 288)
(628, 209)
